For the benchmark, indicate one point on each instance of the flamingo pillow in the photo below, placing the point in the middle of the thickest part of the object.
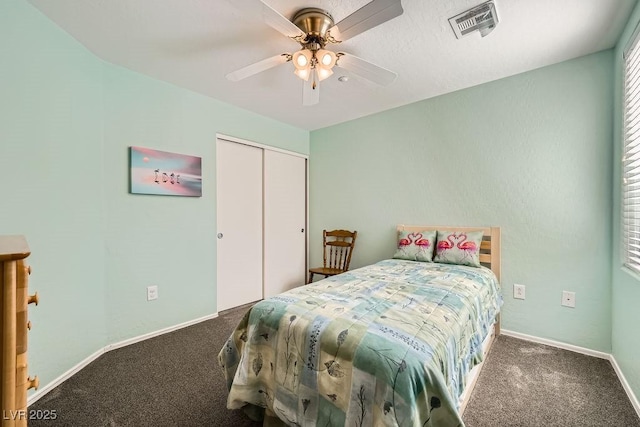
(458, 247)
(416, 245)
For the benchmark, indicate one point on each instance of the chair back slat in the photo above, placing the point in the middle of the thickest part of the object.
(339, 243)
(338, 246)
(332, 257)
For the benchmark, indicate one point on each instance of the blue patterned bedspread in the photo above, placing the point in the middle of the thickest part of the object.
(387, 344)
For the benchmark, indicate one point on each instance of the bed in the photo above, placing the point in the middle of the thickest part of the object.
(393, 343)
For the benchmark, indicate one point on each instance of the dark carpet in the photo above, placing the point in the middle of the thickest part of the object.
(174, 380)
(528, 384)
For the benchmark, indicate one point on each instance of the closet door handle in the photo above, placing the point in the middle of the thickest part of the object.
(220, 235)
(302, 230)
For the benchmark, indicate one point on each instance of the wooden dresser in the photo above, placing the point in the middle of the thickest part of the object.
(14, 298)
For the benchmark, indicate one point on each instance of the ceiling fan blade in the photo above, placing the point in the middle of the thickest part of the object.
(258, 67)
(310, 92)
(270, 16)
(366, 69)
(368, 16)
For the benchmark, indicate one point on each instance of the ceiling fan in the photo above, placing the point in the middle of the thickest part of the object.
(314, 29)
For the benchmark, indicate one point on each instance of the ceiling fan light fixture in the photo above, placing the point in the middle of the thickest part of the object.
(303, 73)
(323, 72)
(302, 59)
(313, 29)
(326, 58)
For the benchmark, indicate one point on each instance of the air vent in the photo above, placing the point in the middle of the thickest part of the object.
(481, 18)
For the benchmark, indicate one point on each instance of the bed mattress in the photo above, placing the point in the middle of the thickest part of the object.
(387, 344)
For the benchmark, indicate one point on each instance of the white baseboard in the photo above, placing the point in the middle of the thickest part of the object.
(163, 331)
(558, 344)
(625, 384)
(588, 352)
(62, 378)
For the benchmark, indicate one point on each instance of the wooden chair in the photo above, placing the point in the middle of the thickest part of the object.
(337, 247)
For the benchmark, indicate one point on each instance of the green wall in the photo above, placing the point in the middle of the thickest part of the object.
(53, 183)
(626, 285)
(167, 241)
(529, 153)
(66, 122)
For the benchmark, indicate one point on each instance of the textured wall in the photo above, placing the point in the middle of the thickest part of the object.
(626, 285)
(52, 182)
(167, 241)
(66, 122)
(530, 153)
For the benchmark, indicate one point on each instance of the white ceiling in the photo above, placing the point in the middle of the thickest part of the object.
(195, 43)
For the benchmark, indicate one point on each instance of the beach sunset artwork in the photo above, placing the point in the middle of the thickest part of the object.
(165, 174)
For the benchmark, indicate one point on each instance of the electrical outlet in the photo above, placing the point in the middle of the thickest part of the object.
(152, 292)
(518, 291)
(569, 299)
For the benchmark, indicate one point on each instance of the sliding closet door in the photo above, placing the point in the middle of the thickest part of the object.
(239, 223)
(285, 227)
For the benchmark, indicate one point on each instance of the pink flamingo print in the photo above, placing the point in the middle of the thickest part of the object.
(445, 245)
(423, 243)
(403, 243)
(467, 247)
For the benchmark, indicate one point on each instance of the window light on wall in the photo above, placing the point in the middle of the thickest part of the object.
(631, 156)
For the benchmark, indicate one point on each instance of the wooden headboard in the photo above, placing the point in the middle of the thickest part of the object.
(489, 249)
